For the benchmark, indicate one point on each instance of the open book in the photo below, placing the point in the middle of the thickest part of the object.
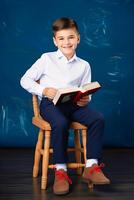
(75, 93)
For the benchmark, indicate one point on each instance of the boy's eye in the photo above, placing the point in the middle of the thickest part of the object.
(71, 37)
(61, 38)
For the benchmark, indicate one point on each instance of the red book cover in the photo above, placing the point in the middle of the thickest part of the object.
(80, 94)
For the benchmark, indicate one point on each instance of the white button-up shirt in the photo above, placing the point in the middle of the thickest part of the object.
(54, 70)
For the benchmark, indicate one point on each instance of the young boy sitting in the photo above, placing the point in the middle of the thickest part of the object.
(62, 69)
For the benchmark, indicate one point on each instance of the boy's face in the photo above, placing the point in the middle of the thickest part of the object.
(66, 40)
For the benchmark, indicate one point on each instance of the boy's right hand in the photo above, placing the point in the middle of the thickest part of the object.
(49, 92)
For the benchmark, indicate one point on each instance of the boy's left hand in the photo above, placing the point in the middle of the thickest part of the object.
(83, 101)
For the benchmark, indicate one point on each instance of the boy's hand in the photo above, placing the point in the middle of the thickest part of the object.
(49, 92)
(83, 101)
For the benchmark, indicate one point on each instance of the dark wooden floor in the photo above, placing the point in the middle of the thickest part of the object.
(16, 182)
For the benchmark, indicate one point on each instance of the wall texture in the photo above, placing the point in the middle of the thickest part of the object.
(107, 42)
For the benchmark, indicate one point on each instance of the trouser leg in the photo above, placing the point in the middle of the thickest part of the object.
(60, 125)
(95, 123)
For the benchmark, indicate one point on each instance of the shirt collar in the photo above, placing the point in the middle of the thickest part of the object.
(61, 55)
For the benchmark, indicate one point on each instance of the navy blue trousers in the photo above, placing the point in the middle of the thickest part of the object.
(60, 116)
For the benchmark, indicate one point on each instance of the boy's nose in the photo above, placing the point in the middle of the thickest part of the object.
(66, 41)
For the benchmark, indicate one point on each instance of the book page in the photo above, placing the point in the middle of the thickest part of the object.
(64, 94)
(90, 86)
(67, 90)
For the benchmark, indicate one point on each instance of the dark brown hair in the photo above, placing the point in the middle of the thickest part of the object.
(64, 23)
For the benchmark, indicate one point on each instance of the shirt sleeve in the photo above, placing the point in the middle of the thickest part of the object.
(87, 77)
(32, 75)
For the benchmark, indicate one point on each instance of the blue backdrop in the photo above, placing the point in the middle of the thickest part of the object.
(107, 42)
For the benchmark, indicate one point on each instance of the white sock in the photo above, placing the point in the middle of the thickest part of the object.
(61, 166)
(90, 162)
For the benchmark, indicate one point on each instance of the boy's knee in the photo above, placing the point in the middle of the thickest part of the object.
(101, 119)
(61, 123)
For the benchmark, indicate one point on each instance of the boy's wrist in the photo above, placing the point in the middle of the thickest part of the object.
(44, 92)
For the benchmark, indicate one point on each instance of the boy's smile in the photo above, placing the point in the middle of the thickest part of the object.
(66, 40)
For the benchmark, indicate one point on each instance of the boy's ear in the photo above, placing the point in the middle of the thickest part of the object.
(78, 38)
(54, 41)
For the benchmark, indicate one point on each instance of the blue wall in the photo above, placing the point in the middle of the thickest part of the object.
(107, 42)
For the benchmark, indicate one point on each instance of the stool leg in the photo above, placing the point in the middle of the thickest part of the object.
(45, 161)
(77, 149)
(90, 185)
(37, 155)
(84, 144)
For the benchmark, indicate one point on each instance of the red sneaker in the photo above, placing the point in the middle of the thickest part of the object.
(61, 182)
(95, 175)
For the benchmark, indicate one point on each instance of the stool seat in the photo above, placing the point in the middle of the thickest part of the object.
(41, 123)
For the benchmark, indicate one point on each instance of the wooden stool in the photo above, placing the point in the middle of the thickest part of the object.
(45, 150)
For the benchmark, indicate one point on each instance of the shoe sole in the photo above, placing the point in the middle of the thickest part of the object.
(61, 193)
(94, 183)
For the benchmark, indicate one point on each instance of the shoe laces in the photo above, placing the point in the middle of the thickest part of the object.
(97, 168)
(63, 175)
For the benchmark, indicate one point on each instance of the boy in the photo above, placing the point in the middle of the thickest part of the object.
(61, 69)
